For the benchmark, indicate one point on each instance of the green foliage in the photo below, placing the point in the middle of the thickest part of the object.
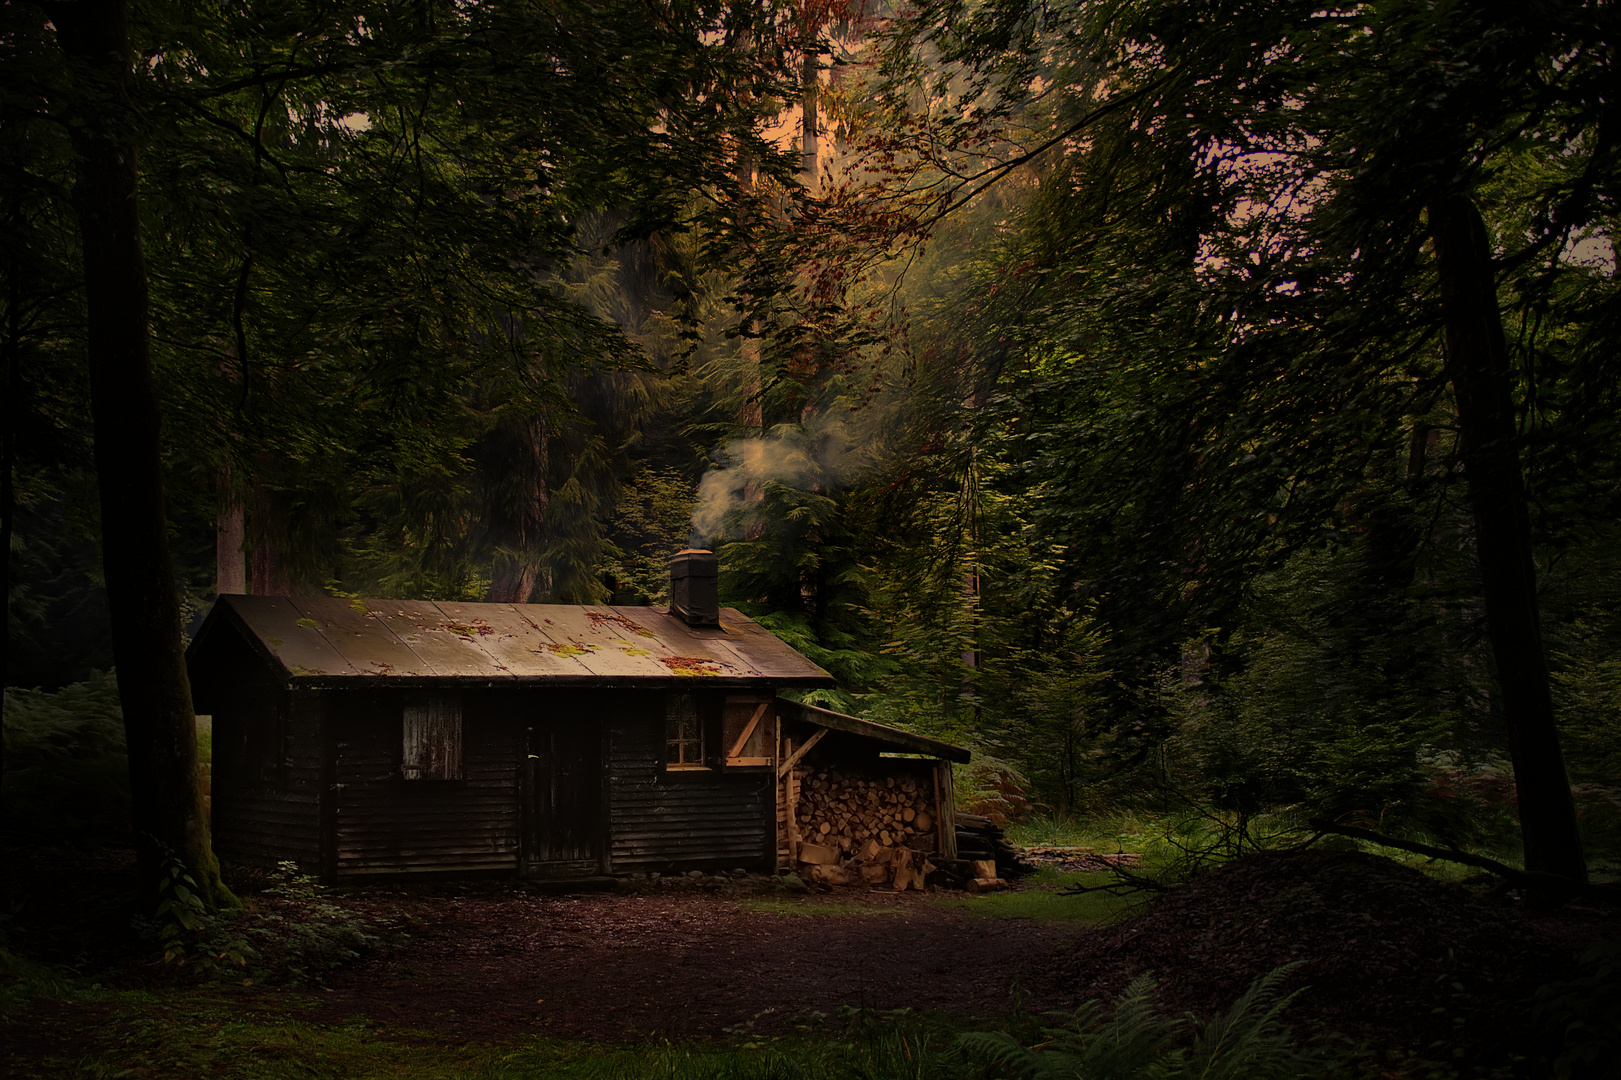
(1202, 344)
(300, 934)
(292, 933)
(66, 775)
(488, 232)
(651, 521)
(1582, 1015)
(196, 1032)
(1136, 1042)
(187, 934)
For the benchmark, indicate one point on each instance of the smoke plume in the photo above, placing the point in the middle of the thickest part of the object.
(815, 455)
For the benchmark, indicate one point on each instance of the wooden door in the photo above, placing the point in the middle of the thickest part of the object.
(564, 823)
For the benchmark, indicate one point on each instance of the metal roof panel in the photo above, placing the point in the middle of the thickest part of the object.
(326, 640)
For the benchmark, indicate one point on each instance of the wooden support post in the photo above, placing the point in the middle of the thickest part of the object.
(793, 759)
(790, 826)
(945, 800)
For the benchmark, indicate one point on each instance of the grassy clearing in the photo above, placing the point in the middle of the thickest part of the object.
(196, 1033)
(1164, 842)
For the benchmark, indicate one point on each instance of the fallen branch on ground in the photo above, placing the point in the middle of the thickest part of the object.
(1562, 887)
(1126, 882)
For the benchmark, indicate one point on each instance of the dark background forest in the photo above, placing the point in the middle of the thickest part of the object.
(1197, 409)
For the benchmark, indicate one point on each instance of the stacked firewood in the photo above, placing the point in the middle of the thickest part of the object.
(843, 809)
(980, 840)
(871, 864)
(860, 828)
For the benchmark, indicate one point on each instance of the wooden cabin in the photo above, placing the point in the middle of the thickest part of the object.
(383, 737)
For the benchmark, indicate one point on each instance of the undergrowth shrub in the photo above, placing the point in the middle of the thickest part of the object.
(66, 777)
(1138, 1042)
(302, 933)
(1128, 1039)
(293, 932)
(1582, 1015)
(188, 935)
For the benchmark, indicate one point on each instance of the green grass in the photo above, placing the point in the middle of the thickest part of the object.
(1161, 840)
(1038, 897)
(1107, 832)
(197, 1033)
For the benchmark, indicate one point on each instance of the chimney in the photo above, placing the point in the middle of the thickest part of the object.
(693, 593)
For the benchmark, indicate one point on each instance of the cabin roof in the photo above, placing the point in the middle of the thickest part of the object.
(319, 641)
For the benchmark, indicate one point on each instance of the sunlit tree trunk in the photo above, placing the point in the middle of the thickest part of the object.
(160, 729)
(1479, 370)
(810, 87)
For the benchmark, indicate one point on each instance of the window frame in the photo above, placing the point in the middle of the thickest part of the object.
(693, 721)
(432, 720)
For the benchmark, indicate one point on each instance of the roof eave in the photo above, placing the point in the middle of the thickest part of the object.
(379, 680)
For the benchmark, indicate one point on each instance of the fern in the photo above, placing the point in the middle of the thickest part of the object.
(1249, 1041)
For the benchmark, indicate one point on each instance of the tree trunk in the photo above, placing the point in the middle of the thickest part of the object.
(10, 415)
(810, 85)
(1481, 376)
(269, 568)
(518, 514)
(160, 729)
(230, 537)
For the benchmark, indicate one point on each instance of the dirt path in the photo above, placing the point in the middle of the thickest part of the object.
(502, 962)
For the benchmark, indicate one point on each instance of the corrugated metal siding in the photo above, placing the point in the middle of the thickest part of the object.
(690, 820)
(386, 824)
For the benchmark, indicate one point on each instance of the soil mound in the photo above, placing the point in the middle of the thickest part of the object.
(1386, 954)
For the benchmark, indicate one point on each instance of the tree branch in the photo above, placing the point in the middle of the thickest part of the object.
(1562, 887)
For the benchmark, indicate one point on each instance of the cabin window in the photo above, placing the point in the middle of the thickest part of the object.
(431, 737)
(683, 733)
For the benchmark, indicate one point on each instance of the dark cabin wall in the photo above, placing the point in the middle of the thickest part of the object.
(715, 819)
(385, 824)
(267, 757)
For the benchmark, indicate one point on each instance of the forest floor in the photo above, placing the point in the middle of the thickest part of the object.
(1385, 955)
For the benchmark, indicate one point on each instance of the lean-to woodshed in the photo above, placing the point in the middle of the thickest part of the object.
(855, 794)
(366, 737)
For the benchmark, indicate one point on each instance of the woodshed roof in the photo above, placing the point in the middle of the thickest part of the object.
(904, 741)
(320, 641)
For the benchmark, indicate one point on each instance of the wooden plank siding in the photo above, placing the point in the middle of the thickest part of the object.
(386, 824)
(699, 819)
(266, 765)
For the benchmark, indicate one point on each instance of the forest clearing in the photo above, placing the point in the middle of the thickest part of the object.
(492, 979)
(641, 521)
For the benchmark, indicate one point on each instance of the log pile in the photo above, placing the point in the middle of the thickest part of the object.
(980, 840)
(985, 877)
(853, 827)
